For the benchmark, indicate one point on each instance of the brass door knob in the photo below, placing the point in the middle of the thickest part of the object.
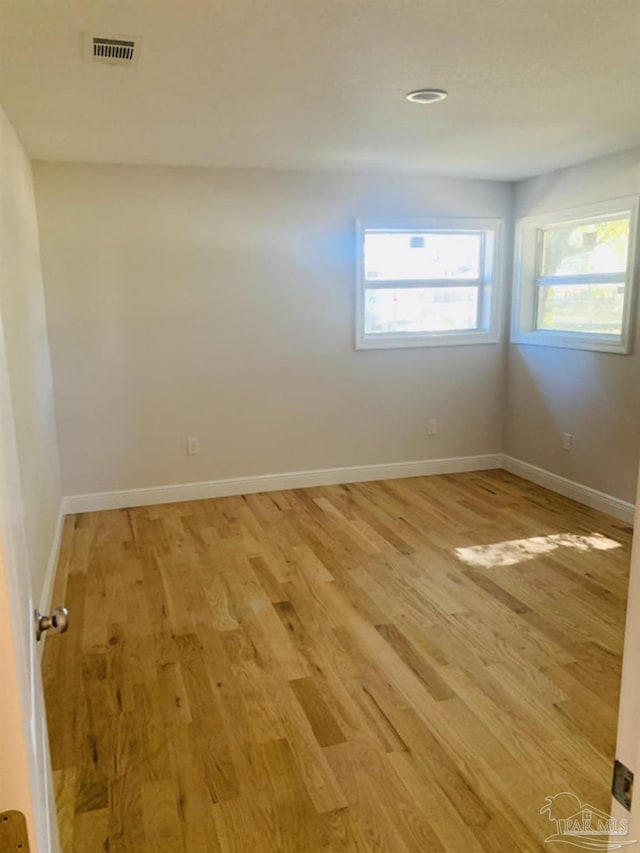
(58, 622)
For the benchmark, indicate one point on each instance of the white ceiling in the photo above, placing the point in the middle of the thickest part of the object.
(320, 84)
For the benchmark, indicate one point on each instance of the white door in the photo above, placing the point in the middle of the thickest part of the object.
(25, 770)
(628, 745)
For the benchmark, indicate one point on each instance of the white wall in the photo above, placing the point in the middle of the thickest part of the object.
(22, 315)
(595, 396)
(219, 304)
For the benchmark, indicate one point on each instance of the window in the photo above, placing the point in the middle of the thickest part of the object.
(574, 277)
(423, 282)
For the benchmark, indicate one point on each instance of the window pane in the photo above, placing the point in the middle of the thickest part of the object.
(598, 247)
(421, 309)
(589, 309)
(393, 256)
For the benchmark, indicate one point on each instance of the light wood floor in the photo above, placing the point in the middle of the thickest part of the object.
(411, 665)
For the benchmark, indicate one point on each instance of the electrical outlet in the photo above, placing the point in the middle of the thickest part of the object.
(432, 427)
(567, 441)
(193, 446)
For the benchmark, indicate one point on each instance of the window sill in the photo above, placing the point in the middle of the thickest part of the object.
(434, 340)
(560, 340)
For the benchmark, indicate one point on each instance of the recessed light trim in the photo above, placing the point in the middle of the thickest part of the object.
(426, 96)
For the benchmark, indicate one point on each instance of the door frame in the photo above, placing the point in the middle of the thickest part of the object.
(628, 737)
(26, 780)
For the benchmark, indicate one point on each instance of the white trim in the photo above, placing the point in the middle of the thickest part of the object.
(620, 509)
(526, 258)
(276, 482)
(45, 604)
(563, 340)
(98, 501)
(432, 339)
(490, 284)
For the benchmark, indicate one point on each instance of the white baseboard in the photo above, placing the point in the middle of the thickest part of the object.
(45, 603)
(620, 509)
(276, 482)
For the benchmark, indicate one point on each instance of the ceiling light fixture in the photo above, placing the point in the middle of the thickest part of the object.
(426, 96)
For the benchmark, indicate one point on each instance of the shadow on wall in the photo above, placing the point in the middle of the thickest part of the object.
(594, 396)
(532, 420)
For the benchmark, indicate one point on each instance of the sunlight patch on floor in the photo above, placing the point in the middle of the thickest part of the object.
(516, 551)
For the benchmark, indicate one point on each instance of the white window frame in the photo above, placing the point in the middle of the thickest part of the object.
(528, 237)
(490, 284)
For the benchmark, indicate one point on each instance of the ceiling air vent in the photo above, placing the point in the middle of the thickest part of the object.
(114, 50)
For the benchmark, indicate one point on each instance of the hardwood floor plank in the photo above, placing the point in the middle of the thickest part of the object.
(438, 688)
(324, 726)
(91, 832)
(401, 666)
(162, 825)
(64, 783)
